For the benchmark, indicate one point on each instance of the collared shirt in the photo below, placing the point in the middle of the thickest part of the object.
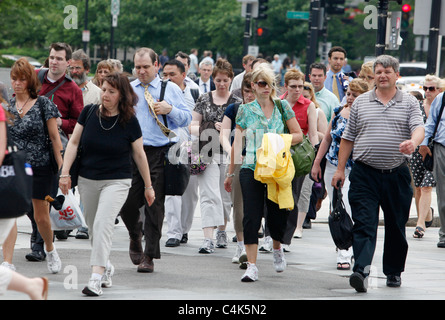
(251, 118)
(377, 129)
(340, 82)
(327, 101)
(179, 116)
(205, 88)
(432, 120)
(68, 99)
(300, 110)
(91, 94)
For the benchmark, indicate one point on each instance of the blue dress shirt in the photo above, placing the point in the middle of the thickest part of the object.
(180, 115)
(431, 122)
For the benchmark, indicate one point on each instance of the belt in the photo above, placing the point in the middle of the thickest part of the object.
(384, 171)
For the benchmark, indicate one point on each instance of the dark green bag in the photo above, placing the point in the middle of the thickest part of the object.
(303, 154)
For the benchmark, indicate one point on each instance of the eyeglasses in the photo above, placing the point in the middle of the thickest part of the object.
(262, 84)
(294, 86)
(432, 89)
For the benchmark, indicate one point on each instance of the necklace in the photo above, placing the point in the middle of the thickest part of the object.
(20, 110)
(107, 129)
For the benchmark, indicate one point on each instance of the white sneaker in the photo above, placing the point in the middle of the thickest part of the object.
(251, 273)
(238, 252)
(279, 262)
(267, 244)
(10, 266)
(221, 239)
(207, 247)
(106, 281)
(93, 289)
(53, 261)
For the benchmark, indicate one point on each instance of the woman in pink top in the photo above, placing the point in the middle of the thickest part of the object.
(306, 115)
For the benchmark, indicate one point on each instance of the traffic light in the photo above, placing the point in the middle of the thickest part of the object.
(261, 31)
(262, 9)
(335, 6)
(406, 14)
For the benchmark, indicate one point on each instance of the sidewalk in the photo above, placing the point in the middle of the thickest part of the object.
(183, 274)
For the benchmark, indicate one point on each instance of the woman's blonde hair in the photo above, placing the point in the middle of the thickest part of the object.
(438, 81)
(358, 85)
(308, 87)
(265, 72)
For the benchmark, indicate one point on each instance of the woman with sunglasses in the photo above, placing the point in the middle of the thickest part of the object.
(307, 119)
(424, 179)
(253, 120)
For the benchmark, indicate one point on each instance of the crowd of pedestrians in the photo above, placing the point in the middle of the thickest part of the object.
(371, 139)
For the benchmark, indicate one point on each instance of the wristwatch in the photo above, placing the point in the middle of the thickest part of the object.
(228, 175)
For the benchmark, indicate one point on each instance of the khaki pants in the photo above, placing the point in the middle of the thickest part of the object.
(102, 201)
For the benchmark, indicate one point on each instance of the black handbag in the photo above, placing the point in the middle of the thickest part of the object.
(15, 184)
(75, 167)
(340, 223)
(176, 173)
(428, 162)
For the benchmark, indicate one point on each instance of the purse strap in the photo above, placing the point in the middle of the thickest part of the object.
(280, 108)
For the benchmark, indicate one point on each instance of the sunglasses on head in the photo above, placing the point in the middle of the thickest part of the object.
(429, 88)
(262, 84)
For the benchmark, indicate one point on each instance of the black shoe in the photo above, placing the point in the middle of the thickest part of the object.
(36, 256)
(61, 234)
(307, 224)
(359, 282)
(82, 233)
(393, 281)
(185, 238)
(441, 244)
(172, 242)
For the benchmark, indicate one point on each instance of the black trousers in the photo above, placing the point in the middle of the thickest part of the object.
(154, 215)
(254, 199)
(369, 190)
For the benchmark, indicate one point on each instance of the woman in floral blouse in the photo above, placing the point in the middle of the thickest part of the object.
(329, 147)
(28, 110)
(208, 115)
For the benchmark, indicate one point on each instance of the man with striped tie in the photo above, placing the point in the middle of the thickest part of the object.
(157, 135)
(385, 126)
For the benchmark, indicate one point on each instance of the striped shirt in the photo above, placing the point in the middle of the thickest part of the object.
(377, 130)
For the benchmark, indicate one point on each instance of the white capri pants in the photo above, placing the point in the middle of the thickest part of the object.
(5, 273)
(214, 199)
(102, 201)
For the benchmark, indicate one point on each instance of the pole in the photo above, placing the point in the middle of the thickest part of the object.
(111, 38)
(85, 43)
(433, 43)
(312, 40)
(247, 28)
(382, 12)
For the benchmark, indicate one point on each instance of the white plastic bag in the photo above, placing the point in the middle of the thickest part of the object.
(70, 216)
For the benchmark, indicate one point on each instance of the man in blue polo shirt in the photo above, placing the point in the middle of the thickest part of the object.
(156, 136)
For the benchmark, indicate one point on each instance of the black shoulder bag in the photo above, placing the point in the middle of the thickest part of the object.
(15, 183)
(176, 174)
(340, 223)
(428, 162)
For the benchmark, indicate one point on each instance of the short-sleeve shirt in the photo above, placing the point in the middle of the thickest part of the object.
(2, 114)
(106, 154)
(338, 127)
(377, 129)
(251, 118)
(28, 133)
(211, 111)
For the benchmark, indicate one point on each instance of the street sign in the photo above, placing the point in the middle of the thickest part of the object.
(253, 10)
(393, 24)
(253, 50)
(301, 15)
(115, 7)
(422, 17)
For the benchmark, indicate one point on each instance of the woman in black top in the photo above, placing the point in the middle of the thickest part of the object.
(110, 134)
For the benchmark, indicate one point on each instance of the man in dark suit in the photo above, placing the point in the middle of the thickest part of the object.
(205, 80)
